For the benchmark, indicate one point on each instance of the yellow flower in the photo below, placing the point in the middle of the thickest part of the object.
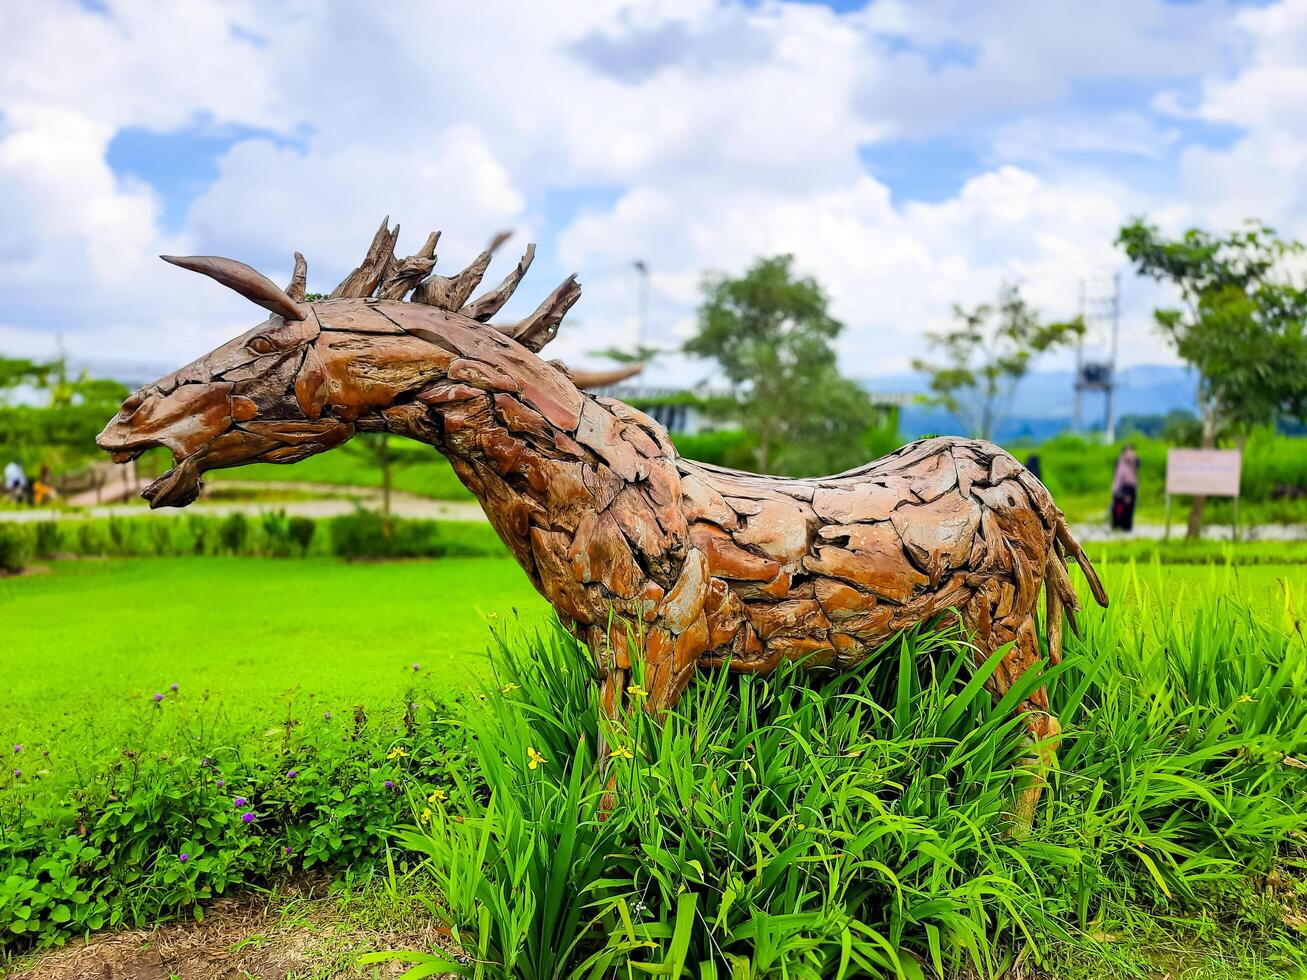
(1245, 699)
(509, 688)
(426, 815)
(621, 752)
(437, 796)
(636, 691)
(397, 752)
(535, 757)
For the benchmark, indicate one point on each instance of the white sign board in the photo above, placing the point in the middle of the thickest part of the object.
(1203, 472)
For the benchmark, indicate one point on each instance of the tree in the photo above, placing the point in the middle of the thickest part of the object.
(58, 426)
(986, 354)
(772, 335)
(1240, 327)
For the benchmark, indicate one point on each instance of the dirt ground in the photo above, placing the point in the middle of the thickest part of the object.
(300, 934)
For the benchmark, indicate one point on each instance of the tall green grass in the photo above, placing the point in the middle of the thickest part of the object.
(825, 826)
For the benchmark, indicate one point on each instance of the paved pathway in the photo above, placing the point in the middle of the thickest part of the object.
(336, 500)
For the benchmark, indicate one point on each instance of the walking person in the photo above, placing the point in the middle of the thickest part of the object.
(1125, 489)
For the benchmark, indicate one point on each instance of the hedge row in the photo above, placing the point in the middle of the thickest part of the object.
(361, 535)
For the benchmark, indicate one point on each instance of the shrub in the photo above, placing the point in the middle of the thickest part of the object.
(276, 533)
(47, 539)
(301, 532)
(145, 834)
(15, 547)
(366, 534)
(233, 530)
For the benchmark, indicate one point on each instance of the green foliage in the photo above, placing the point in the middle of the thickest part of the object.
(233, 532)
(301, 531)
(772, 334)
(986, 354)
(149, 833)
(728, 447)
(367, 534)
(1242, 325)
(60, 429)
(859, 825)
(15, 547)
(274, 535)
(414, 468)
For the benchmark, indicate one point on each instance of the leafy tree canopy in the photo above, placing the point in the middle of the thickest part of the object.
(1241, 325)
(984, 356)
(772, 334)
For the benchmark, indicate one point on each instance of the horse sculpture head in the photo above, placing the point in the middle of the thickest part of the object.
(314, 373)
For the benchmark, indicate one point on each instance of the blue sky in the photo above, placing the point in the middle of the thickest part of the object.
(909, 154)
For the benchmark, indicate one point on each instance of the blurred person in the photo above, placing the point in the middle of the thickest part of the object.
(43, 487)
(15, 481)
(1033, 465)
(1125, 489)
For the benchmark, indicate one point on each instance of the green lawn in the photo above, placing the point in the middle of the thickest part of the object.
(418, 470)
(87, 646)
(92, 641)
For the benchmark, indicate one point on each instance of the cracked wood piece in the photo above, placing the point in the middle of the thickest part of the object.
(856, 505)
(703, 503)
(873, 558)
(727, 559)
(938, 535)
(599, 553)
(796, 618)
(779, 529)
(600, 431)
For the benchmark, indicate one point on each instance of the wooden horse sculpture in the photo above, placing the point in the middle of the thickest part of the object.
(710, 566)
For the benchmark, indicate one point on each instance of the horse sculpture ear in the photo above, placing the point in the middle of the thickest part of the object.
(251, 284)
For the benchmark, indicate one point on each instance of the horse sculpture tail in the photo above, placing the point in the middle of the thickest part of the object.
(1059, 594)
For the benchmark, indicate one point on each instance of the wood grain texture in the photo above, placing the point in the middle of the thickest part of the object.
(662, 565)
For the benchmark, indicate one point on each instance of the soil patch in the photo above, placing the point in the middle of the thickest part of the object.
(299, 933)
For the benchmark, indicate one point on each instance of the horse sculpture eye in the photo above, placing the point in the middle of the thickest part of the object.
(261, 345)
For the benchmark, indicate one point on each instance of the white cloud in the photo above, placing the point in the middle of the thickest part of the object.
(723, 131)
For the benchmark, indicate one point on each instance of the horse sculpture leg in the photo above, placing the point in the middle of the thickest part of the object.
(1041, 725)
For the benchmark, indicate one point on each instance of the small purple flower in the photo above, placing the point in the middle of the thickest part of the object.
(292, 774)
(184, 857)
(287, 851)
(174, 687)
(205, 762)
(222, 782)
(327, 715)
(417, 666)
(18, 774)
(17, 748)
(239, 801)
(389, 784)
(157, 696)
(247, 816)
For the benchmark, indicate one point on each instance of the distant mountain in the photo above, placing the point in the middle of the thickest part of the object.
(1044, 402)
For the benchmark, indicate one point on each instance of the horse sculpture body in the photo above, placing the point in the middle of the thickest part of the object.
(660, 564)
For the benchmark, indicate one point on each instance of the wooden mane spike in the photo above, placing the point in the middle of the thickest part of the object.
(381, 255)
(450, 293)
(542, 325)
(488, 304)
(404, 275)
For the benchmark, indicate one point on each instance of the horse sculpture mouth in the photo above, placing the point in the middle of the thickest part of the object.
(178, 487)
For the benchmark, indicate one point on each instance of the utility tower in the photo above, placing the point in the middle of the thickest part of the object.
(1100, 306)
